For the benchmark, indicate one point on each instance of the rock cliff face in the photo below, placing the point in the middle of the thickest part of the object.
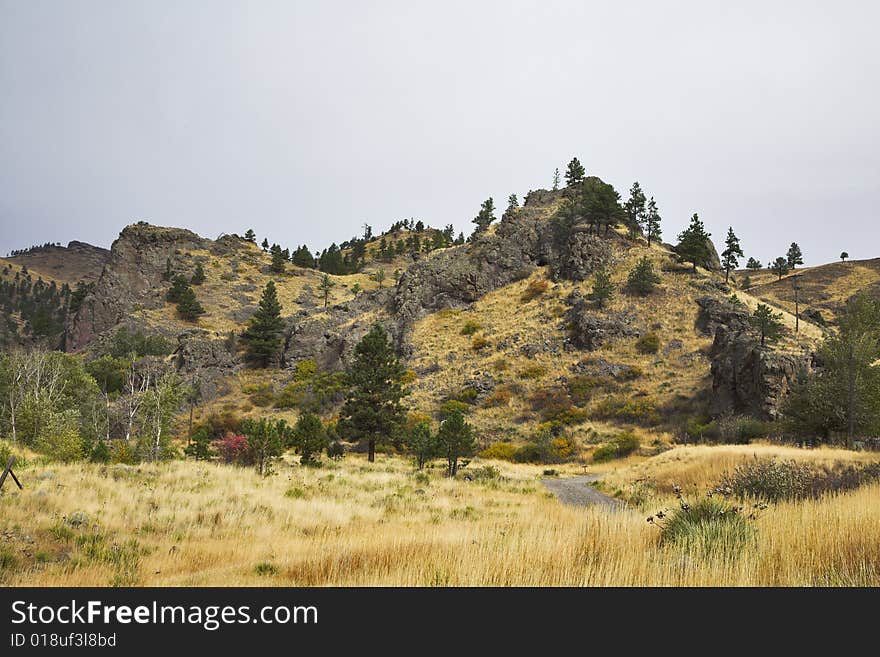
(590, 327)
(525, 238)
(746, 378)
(132, 275)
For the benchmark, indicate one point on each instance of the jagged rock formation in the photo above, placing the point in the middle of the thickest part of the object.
(590, 327)
(132, 275)
(199, 356)
(746, 377)
(523, 240)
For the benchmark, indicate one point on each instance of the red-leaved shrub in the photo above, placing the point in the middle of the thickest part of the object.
(233, 448)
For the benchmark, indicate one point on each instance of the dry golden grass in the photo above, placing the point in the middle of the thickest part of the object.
(379, 524)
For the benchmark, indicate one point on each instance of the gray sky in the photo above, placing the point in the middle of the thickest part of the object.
(303, 120)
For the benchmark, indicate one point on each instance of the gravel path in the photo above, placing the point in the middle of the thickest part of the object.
(577, 491)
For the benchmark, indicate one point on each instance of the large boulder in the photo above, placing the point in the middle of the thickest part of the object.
(590, 327)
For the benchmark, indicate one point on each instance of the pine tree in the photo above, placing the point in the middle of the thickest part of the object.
(652, 223)
(603, 289)
(263, 334)
(309, 438)
(302, 257)
(373, 411)
(693, 243)
(325, 286)
(168, 273)
(754, 264)
(198, 276)
(486, 215)
(642, 279)
(422, 443)
(779, 267)
(512, 202)
(251, 236)
(556, 179)
(265, 244)
(732, 249)
(188, 306)
(575, 172)
(636, 212)
(179, 286)
(200, 445)
(599, 203)
(843, 256)
(794, 256)
(379, 277)
(767, 323)
(455, 440)
(279, 259)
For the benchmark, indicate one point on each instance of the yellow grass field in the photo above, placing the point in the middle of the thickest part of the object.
(356, 523)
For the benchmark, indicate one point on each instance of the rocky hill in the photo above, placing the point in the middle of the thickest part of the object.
(500, 326)
(76, 262)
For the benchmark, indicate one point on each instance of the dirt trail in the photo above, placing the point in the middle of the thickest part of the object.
(577, 491)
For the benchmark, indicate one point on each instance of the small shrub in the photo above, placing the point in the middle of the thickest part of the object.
(470, 327)
(639, 410)
(500, 365)
(533, 372)
(648, 344)
(528, 454)
(500, 451)
(451, 406)
(498, 398)
(535, 289)
(466, 395)
(582, 387)
(550, 473)
(479, 343)
(485, 473)
(620, 446)
(266, 568)
(260, 394)
(709, 527)
(233, 449)
(335, 450)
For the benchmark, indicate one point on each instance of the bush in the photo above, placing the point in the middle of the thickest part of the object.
(773, 480)
(709, 527)
(466, 395)
(648, 344)
(470, 327)
(234, 449)
(500, 397)
(484, 473)
(639, 410)
(500, 365)
(335, 450)
(528, 454)
(534, 289)
(451, 406)
(479, 343)
(260, 394)
(220, 424)
(642, 279)
(500, 451)
(59, 437)
(582, 387)
(621, 445)
(533, 372)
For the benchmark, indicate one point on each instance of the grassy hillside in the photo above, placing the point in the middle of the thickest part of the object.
(824, 287)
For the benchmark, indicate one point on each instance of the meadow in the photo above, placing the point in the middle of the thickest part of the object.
(353, 523)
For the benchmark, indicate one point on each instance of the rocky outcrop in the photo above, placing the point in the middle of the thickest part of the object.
(204, 358)
(746, 377)
(591, 327)
(132, 275)
(525, 238)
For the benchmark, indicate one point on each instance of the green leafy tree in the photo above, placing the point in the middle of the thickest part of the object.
(267, 439)
(326, 286)
(188, 306)
(731, 254)
(693, 243)
(373, 411)
(652, 222)
(455, 441)
(779, 267)
(642, 279)
(767, 323)
(263, 334)
(575, 172)
(422, 443)
(310, 438)
(251, 236)
(200, 445)
(603, 289)
(843, 256)
(379, 277)
(636, 212)
(794, 257)
(754, 264)
(485, 216)
(198, 276)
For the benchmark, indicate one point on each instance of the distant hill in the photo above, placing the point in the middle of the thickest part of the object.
(76, 262)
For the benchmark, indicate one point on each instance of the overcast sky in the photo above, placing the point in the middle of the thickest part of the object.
(304, 120)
